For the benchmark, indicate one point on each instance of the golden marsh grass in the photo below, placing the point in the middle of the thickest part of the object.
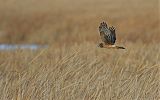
(81, 72)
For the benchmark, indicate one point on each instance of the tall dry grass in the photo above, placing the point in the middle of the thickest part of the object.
(81, 72)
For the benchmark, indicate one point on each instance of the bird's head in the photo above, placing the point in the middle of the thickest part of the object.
(100, 45)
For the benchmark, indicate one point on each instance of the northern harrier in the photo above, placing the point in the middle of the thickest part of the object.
(108, 36)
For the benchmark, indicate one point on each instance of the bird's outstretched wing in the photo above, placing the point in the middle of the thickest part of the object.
(108, 35)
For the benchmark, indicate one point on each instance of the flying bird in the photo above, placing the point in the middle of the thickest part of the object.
(108, 37)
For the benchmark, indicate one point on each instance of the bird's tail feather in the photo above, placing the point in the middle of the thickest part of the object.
(110, 46)
(118, 47)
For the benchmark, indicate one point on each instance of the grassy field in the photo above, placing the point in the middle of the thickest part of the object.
(81, 72)
(73, 67)
(61, 21)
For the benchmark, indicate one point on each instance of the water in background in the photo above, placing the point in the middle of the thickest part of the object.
(21, 46)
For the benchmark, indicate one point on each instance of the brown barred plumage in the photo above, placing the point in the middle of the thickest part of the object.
(108, 36)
